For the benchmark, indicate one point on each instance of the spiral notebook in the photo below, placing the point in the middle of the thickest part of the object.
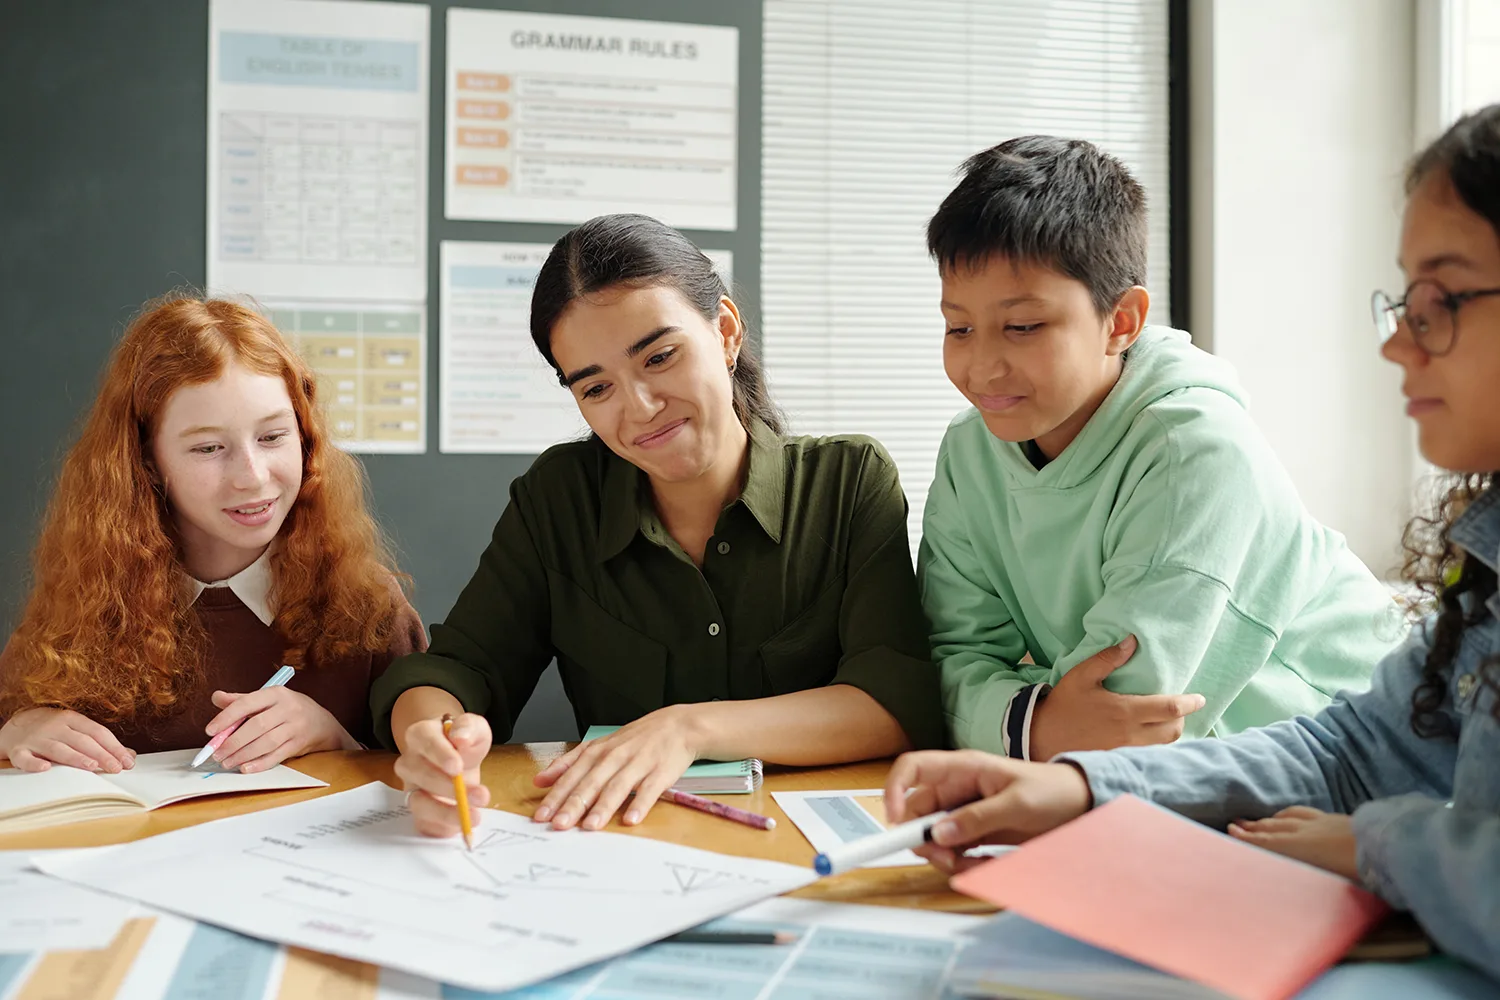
(707, 777)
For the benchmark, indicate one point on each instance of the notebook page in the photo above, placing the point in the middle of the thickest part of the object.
(161, 778)
(22, 790)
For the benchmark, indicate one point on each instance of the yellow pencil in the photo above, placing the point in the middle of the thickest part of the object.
(460, 794)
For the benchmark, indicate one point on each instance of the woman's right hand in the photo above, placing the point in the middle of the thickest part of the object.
(993, 800)
(430, 760)
(37, 738)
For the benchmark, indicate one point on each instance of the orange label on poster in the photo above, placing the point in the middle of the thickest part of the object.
(492, 110)
(497, 83)
(483, 138)
(493, 176)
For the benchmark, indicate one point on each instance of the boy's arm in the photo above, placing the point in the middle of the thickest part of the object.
(975, 641)
(1211, 526)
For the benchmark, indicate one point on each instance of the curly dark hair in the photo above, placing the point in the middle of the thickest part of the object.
(1456, 584)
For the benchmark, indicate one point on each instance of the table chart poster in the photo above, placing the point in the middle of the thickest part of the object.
(496, 394)
(317, 196)
(559, 118)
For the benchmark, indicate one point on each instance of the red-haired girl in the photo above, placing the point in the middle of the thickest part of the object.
(204, 531)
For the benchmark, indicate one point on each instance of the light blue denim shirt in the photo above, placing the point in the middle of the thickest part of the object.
(1426, 811)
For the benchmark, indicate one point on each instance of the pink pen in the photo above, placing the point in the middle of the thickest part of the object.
(279, 678)
(719, 809)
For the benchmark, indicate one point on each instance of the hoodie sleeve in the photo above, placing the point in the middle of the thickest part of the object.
(975, 640)
(1207, 560)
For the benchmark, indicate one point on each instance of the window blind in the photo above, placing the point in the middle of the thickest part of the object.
(869, 107)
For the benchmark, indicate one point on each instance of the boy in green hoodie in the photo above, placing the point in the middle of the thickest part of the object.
(1107, 505)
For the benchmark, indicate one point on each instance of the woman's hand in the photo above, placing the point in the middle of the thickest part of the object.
(593, 779)
(994, 800)
(1318, 838)
(278, 723)
(37, 738)
(428, 764)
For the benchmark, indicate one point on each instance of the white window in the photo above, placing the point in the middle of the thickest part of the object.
(1476, 27)
(870, 105)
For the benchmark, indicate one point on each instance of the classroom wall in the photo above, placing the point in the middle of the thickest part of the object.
(1302, 119)
(102, 206)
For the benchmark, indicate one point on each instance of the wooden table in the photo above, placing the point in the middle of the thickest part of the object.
(507, 772)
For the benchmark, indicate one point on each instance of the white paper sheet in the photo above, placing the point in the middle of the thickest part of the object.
(559, 118)
(317, 195)
(345, 874)
(39, 913)
(159, 778)
(497, 394)
(833, 818)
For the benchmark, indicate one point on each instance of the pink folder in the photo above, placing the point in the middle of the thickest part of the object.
(1137, 880)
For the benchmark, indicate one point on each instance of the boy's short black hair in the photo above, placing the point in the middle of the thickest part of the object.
(1061, 203)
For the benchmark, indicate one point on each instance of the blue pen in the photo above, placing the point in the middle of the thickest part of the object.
(279, 678)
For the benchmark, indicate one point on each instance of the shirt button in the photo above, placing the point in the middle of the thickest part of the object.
(723, 548)
(713, 628)
(1466, 686)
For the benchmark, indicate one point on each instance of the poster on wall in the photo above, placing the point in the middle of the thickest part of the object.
(559, 118)
(317, 196)
(495, 393)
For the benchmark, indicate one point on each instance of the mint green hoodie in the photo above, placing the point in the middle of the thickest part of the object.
(1168, 518)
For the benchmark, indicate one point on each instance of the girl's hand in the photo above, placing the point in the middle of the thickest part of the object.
(427, 766)
(278, 723)
(1318, 838)
(593, 779)
(37, 738)
(995, 800)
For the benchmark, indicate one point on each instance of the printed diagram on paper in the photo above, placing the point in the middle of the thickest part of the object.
(345, 874)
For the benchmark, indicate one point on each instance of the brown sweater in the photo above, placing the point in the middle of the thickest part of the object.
(243, 653)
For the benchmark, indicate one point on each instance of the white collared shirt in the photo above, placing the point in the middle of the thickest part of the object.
(252, 585)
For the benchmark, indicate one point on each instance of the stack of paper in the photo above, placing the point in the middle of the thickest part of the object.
(346, 874)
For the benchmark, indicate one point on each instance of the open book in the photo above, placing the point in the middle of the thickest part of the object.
(707, 777)
(69, 795)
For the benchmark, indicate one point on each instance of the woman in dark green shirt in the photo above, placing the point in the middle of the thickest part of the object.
(715, 587)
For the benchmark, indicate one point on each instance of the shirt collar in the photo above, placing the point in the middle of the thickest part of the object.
(252, 585)
(624, 505)
(1477, 529)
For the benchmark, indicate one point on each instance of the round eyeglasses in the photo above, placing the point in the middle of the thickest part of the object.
(1429, 310)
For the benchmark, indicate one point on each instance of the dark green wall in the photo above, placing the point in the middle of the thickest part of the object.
(103, 163)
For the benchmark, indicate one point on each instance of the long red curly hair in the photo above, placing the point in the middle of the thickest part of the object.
(109, 629)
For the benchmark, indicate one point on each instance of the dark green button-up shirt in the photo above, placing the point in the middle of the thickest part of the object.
(807, 581)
